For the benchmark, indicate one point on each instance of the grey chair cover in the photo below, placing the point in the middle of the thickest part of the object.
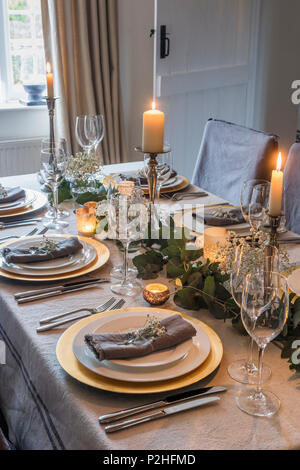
(230, 155)
(291, 179)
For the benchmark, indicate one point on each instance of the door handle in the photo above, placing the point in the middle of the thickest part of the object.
(164, 42)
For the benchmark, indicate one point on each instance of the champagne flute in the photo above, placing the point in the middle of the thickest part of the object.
(53, 167)
(245, 370)
(265, 306)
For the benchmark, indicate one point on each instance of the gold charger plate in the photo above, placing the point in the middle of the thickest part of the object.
(69, 363)
(184, 184)
(102, 257)
(39, 202)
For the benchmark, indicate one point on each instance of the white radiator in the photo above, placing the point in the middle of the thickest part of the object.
(19, 157)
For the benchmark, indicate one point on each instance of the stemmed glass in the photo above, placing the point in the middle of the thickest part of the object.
(260, 196)
(259, 203)
(265, 306)
(89, 131)
(245, 370)
(127, 221)
(53, 167)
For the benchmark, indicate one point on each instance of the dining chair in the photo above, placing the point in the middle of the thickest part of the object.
(231, 154)
(4, 443)
(291, 181)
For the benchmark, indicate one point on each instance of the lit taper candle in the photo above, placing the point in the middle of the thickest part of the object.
(275, 202)
(50, 81)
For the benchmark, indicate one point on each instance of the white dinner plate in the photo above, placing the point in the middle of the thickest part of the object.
(294, 281)
(171, 368)
(64, 265)
(25, 201)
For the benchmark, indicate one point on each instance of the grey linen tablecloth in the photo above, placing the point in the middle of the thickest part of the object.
(47, 409)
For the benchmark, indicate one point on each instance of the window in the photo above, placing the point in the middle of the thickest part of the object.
(22, 58)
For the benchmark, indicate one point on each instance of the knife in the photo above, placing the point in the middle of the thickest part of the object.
(19, 223)
(67, 285)
(56, 293)
(161, 414)
(178, 398)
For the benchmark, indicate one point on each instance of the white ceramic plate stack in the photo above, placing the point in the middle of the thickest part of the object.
(162, 365)
(58, 266)
(23, 202)
(32, 201)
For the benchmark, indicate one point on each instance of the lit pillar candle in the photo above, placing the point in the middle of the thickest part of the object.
(153, 130)
(275, 201)
(50, 81)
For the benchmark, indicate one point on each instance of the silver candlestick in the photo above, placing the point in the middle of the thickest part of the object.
(152, 172)
(51, 111)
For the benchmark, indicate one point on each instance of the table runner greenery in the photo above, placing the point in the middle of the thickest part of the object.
(202, 284)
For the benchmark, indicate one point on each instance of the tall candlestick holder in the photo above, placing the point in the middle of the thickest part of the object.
(272, 227)
(152, 172)
(51, 111)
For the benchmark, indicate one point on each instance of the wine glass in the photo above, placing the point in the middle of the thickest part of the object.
(258, 206)
(265, 306)
(127, 221)
(263, 187)
(245, 370)
(53, 167)
(89, 131)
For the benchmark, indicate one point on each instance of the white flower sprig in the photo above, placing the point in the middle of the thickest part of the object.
(82, 165)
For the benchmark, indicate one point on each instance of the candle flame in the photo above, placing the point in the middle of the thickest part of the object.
(279, 162)
(49, 68)
(153, 105)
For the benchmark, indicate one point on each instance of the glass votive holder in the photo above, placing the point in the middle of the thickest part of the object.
(91, 204)
(214, 238)
(86, 221)
(156, 294)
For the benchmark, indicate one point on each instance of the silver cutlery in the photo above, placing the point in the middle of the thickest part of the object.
(33, 232)
(180, 196)
(173, 399)
(19, 223)
(92, 311)
(289, 240)
(161, 414)
(50, 326)
(118, 305)
(67, 285)
(60, 291)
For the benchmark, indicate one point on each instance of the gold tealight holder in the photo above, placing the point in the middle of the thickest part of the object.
(86, 221)
(156, 294)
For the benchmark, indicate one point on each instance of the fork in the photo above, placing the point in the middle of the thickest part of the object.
(180, 196)
(33, 232)
(92, 311)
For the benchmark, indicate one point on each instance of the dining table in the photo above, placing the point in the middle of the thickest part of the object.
(45, 408)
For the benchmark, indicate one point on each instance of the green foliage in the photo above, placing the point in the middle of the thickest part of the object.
(64, 193)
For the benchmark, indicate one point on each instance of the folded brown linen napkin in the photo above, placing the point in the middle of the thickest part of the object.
(13, 194)
(223, 218)
(115, 345)
(63, 248)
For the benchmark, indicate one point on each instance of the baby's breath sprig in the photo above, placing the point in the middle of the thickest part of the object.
(152, 329)
(47, 245)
